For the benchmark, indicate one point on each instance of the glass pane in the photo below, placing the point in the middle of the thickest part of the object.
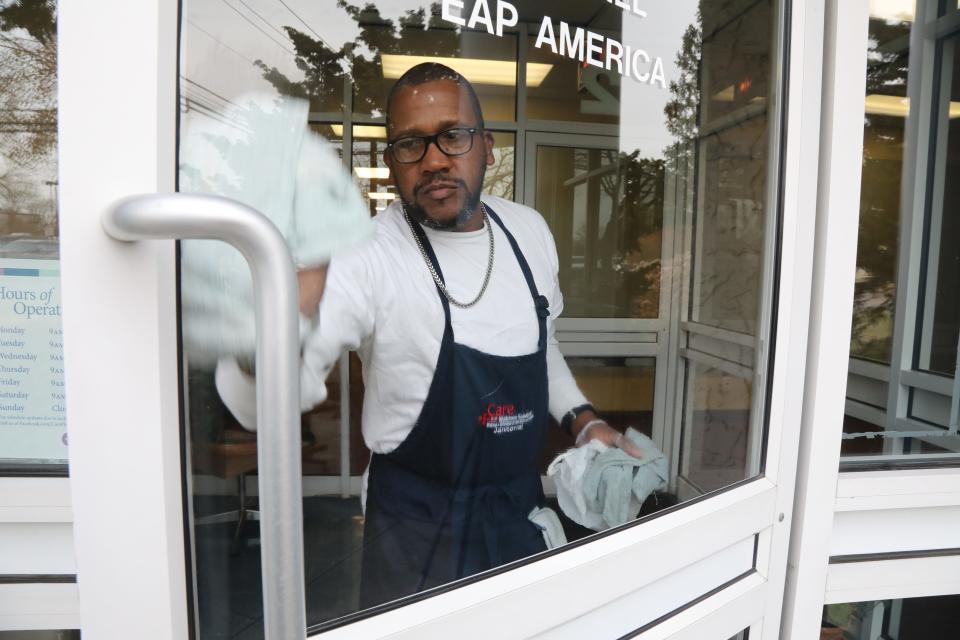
(232, 49)
(717, 428)
(639, 137)
(731, 230)
(906, 619)
(941, 312)
(731, 218)
(568, 90)
(931, 329)
(875, 293)
(32, 403)
(736, 51)
(606, 213)
(386, 52)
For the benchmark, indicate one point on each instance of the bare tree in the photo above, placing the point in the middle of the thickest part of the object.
(28, 99)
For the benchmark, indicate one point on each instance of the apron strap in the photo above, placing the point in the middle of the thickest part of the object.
(540, 302)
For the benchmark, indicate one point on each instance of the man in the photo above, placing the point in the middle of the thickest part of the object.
(451, 307)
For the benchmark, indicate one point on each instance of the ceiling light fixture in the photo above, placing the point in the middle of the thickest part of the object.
(478, 71)
(362, 131)
(372, 173)
(878, 104)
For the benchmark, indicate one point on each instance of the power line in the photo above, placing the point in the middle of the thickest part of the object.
(304, 23)
(210, 91)
(205, 107)
(219, 41)
(264, 20)
(257, 27)
(193, 104)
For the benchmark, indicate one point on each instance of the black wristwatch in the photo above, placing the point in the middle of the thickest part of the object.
(566, 423)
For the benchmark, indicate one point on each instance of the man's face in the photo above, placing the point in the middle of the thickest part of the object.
(441, 191)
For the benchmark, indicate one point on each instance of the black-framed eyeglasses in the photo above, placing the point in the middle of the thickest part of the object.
(452, 142)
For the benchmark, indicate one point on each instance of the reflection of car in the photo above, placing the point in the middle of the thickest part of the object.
(21, 245)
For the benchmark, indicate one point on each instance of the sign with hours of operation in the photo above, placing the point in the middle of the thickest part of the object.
(32, 403)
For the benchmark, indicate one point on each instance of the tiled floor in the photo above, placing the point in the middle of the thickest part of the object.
(228, 585)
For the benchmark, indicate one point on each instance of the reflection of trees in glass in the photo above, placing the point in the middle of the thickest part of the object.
(875, 293)
(499, 177)
(631, 242)
(625, 260)
(718, 115)
(324, 68)
(683, 109)
(28, 116)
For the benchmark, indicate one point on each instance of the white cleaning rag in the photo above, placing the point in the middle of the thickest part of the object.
(547, 520)
(263, 154)
(600, 487)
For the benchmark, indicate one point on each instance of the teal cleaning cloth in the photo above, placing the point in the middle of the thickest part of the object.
(616, 484)
(261, 152)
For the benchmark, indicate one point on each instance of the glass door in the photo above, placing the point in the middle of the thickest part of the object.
(648, 143)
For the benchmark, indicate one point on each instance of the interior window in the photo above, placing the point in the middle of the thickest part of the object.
(903, 393)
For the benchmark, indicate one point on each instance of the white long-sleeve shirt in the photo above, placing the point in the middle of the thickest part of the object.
(381, 301)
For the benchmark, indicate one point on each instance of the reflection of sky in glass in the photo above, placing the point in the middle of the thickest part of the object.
(660, 34)
(237, 34)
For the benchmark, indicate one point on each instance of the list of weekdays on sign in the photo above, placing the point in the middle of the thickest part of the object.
(32, 403)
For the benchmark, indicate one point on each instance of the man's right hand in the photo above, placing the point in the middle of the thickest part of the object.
(311, 282)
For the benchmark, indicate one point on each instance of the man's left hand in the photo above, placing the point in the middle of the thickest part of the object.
(597, 429)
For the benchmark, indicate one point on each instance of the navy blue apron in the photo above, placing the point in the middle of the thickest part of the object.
(454, 498)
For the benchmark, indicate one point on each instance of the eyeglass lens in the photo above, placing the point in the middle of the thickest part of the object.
(453, 142)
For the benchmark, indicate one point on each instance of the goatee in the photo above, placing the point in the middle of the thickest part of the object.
(418, 213)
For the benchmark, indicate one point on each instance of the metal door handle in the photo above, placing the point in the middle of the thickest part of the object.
(186, 216)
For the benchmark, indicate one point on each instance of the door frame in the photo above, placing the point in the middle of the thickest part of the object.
(117, 137)
(124, 407)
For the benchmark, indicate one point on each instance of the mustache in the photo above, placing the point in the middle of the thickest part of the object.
(437, 182)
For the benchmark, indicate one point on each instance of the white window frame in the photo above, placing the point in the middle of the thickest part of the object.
(885, 534)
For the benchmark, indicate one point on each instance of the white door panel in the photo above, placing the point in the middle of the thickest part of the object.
(117, 121)
(589, 578)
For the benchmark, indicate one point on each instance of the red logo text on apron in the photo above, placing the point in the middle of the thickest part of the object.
(504, 418)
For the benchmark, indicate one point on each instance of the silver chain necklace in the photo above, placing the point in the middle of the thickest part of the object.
(433, 272)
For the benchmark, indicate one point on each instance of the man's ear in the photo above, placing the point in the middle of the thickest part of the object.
(388, 159)
(488, 147)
